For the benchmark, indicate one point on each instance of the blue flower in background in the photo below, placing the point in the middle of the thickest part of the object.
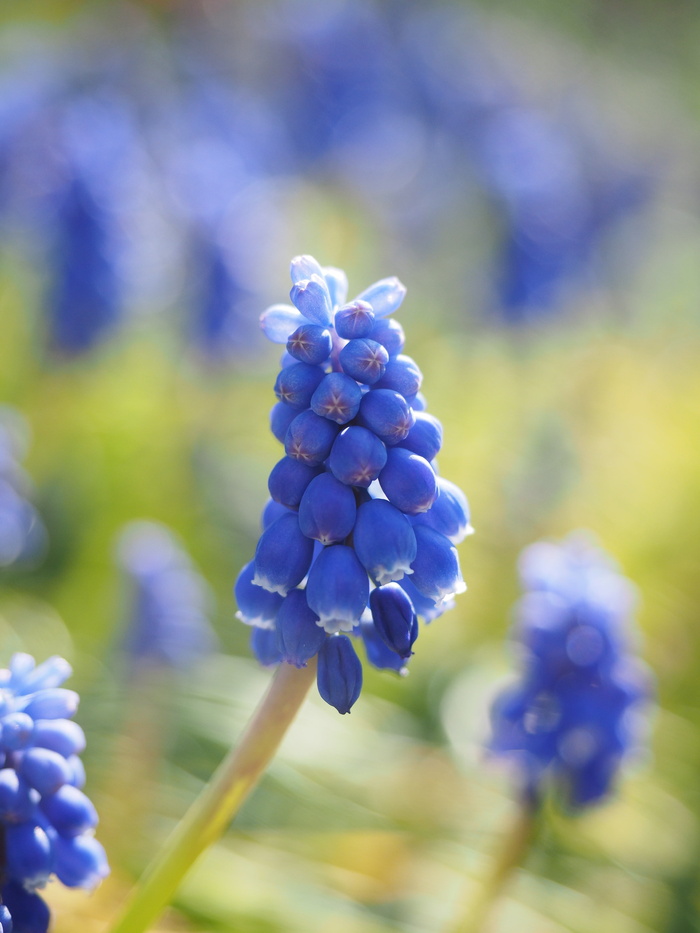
(94, 150)
(170, 602)
(577, 708)
(359, 505)
(23, 536)
(47, 821)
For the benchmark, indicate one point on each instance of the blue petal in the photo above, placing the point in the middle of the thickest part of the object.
(385, 296)
(280, 321)
(337, 282)
(312, 298)
(303, 267)
(339, 675)
(337, 588)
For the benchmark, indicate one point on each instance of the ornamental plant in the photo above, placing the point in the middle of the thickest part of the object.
(576, 710)
(46, 820)
(360, 531)
(572, 717)
(358, 536)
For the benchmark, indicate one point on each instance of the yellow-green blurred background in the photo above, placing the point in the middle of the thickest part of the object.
(578, 408)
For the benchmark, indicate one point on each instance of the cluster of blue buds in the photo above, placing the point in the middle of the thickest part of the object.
(46, 821)
(22, 533)
(359, 534)
(168, 619)
(577, 709)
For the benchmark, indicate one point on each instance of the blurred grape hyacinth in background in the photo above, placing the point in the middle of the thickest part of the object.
(47, 821)
(23, 537)
(578, 708)
(357, 507)
(169, 601)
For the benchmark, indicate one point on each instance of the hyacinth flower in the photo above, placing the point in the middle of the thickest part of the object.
(168, 617)
(358, 536)
(47, 821)
(577, 710)
(22, 533)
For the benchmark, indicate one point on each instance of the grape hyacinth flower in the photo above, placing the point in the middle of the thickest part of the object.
(362, 509)
(46, 820)
(23, 537)
(575, 713)
(170, 602)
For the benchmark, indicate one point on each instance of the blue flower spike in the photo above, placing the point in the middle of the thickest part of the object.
(573, 717)
(47, 822)
(359, 538)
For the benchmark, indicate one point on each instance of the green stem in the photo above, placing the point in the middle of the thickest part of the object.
(221, 799)
(474, 915)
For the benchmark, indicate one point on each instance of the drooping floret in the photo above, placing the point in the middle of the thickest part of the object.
(359, 539)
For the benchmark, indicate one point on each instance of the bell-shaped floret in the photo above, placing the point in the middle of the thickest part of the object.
(303, 267)
(288, 481)
(272, 511)
(378, 653)
(436, 572)
(426, 608)
(425, 436)
(337, 398)
(69, 811)
(337, 588)
(29, 857)
(394, 618)
(337, 282)
(263, 644)
(29, 912)
(5, 920)
(418, 402)
(312, 298)
(77, 771)
(449, 514)
(387, 414)
(384, 541)
(357, 456)
(256, 606)
(385, 296)
(364, 360)
(327, 510)
(281, 416)
(43, 769)
(390, 334)
(310, 438)
(55, 703)
(17, 731)
(60, 735)
(16, 804)
(403, 375)
(283, 556)
(339, 676)
(310, 343)
(279, 321)
(299, 636)
(51, 673)
(408, 481)
(296, 384)
(354, 320)
(81, 862)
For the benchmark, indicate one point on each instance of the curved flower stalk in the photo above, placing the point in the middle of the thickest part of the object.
(360, 532)
(46, 821)
(576, 711)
